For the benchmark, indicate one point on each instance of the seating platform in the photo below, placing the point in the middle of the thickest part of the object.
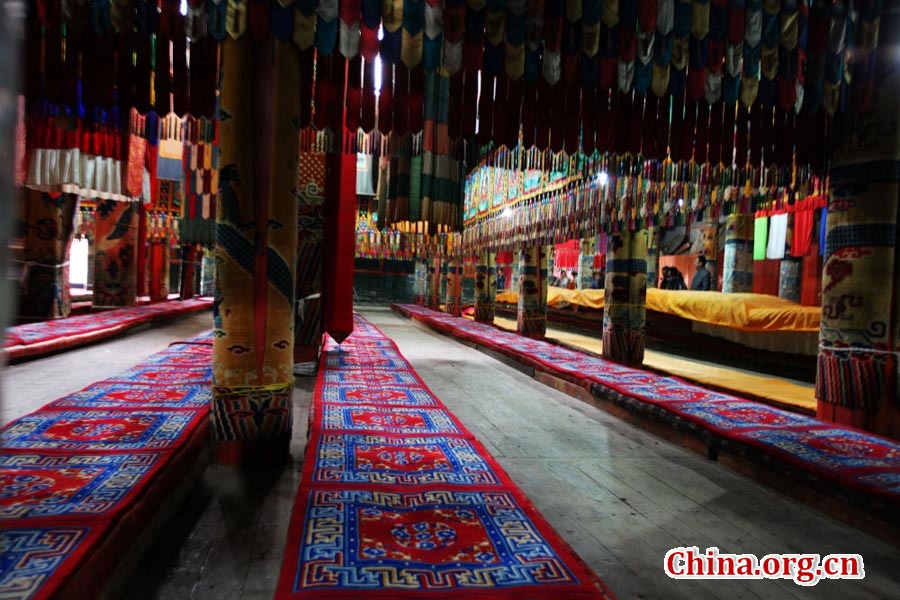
(46, 337)
(86, 478)
(851, 473)
(399, 500)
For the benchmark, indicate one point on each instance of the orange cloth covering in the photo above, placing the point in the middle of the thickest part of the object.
(747, 312)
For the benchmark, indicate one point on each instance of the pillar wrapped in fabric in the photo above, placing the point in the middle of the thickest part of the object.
(859, 344)
(531, 316)
(737, 272)
(652, 234)
(208, 273)
(256, 249)
(420, 283)
(115, 268)
(789, 280)
(586, 250)
(625, 311)
(51, 226)
(434, 283)
(453, 287)
(310, 239)
(189, 254)
(340, 244)
(159, 270)
(485, 286)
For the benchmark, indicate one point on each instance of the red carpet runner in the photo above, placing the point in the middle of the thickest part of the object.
(839, 456)
(35, 339)
(398, 500)
(81, 477)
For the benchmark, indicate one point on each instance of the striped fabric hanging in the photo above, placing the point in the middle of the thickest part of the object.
(434, 35)
(680, 47)
(453, 33)
(715, 58)
(516, 31)
(734, 51)
(413, 32)
(305, 23)
(769, 51)
(327, 27)
(349, 35)
(646, 36)
(752, 52)
(662, 48)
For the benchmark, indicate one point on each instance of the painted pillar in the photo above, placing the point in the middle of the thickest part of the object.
(434, 284)
(485, 286)
(531, 317)
(158, 256)
(208, 273)
(789, 281)
(453, 290)
(859, 343)
(48, 239)
(652, 234)
(310, 234)
(586, 251)
(625, 312)
(256, 245)
(188, 285)
(115, 265)
(737, 272)
(420, 282)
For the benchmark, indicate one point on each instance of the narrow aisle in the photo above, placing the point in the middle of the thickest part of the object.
(622, 497)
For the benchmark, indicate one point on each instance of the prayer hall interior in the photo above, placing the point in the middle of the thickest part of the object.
(490, 299)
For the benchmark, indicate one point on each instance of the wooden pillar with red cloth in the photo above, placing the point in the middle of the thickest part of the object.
(159, 255)
(48, 238)
(624, 313)
(485, 287)
(340, 243)
(531, 316)
(433, 293)
(189, 254)
(858, 368)
(256, 249)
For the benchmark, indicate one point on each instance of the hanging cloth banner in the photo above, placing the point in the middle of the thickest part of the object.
(340, 240)
(777, 236)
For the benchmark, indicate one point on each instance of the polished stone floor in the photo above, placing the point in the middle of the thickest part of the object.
(621, 497)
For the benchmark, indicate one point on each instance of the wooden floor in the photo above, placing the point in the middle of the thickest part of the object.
(619, 496)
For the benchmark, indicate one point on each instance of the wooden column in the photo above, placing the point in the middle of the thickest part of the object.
(532, 310)
(586, 251)
(48, 239)
(737, 272)
(624, 313)
(256, 251)
(859, 344)
(485, 287)
(434, 284)
(453, 287)
(652, 234)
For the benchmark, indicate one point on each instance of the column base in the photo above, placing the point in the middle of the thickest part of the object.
(531, 326)
(252, 424)
(484, 314)
(454, 309)
(859, 388)
(623, 347)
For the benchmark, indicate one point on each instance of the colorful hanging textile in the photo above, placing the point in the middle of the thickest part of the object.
(778, 226)
(340, 215)
(760, 237)
(115, 276)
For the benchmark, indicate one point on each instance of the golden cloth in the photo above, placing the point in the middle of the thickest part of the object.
(747, 312)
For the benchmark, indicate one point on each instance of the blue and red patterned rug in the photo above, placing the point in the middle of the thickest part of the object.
(44, 337)
(398, 500)
(79, 477)
(844, 456)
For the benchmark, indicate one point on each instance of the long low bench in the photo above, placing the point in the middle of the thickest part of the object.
(85, 479)
(853, 474)
(46, 337)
